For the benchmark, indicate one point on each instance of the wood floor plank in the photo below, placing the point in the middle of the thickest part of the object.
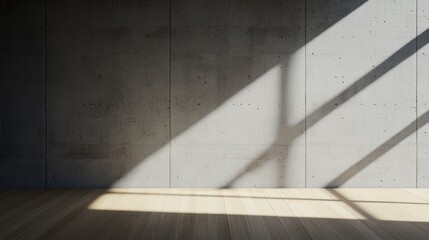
(85, 223)
(143, 218)
(6, 194)
(201, 214)
(324, 218)
(290, 222)
(154, 221)
(18, 198)
(391, 213)
(251, 217)
(53, 217)
(30, 210)
(178, 218)
(215, 214)
(422, 193)
(215, 223)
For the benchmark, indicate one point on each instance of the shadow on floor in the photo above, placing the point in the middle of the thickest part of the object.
(64, 214)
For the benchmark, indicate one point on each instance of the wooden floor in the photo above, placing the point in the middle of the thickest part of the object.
(215, 214)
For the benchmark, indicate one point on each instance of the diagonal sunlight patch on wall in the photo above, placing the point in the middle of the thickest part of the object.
(345, 95)
(231, 52)
(281, 147)
(362, 9)
(382, 149)
(223, 133)
(252, 124)
(206, 123)
(374, 85)
(360, 92)
(239, 131)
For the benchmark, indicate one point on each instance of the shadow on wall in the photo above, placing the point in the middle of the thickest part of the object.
(311, 119)
(108, 87)
(380, 150)
(22, 94)
(108, 84)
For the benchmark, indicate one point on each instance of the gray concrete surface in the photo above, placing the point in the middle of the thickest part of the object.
(359, 56)
(22, 94)
(233, 79)
(215, 94)
(423, 94)
(108, 93)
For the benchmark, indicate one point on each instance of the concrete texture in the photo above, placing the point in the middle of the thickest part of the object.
(108, 93)
(22, 94)
(237, 82)
(215, 94)
(348, 144)
(422, 94)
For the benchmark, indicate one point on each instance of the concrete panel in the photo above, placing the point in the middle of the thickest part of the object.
(237, 90)
(361, 101)
(108, 101)
(423, 93)
(22, 94)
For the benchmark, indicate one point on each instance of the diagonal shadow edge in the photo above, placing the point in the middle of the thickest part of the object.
(64, 213)
(394, 60)
(119, 191)
(102, 151)
(342, 199)
(344, 10)
(379, 151)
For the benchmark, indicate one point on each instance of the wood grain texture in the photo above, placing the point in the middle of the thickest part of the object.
(215, 214)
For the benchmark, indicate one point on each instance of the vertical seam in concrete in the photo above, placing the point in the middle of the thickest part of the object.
(417, 100)
(305, 93)
(46, 95)
(169, 93)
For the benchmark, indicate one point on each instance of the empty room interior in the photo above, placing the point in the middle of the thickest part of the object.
(214, 119)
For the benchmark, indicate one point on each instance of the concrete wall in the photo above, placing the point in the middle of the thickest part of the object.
(234, 80)
(108, 93)
(22, 94)
(190, 93)
(353, 141)
(423, 94)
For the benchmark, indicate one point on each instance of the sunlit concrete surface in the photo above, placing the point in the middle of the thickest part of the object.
(217, 94)
(215, 214)
(422, 96)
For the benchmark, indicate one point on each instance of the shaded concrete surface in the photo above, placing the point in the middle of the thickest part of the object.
(22, 94)
(108, 92)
